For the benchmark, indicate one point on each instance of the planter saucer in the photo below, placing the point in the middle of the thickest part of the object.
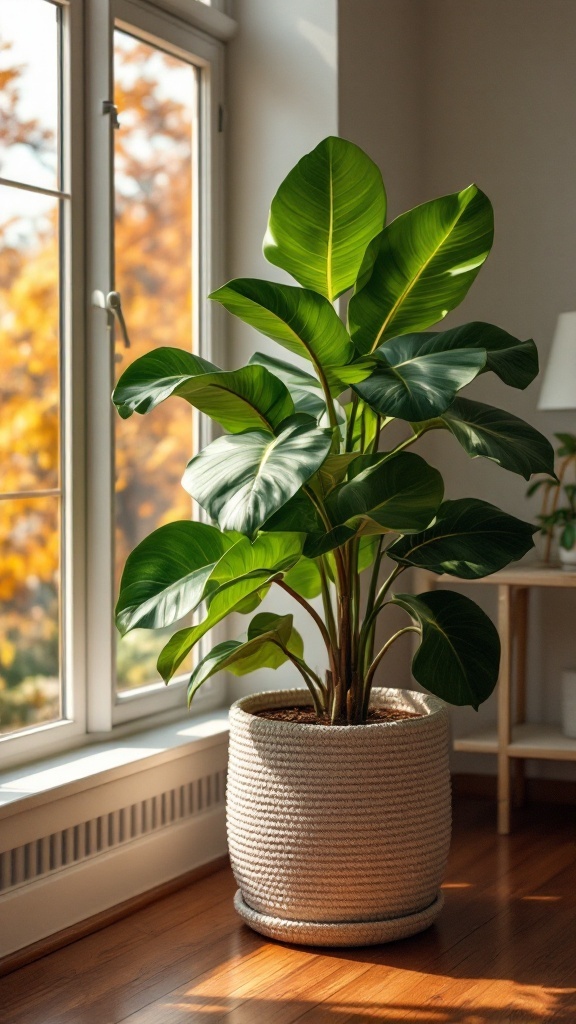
(346, 933)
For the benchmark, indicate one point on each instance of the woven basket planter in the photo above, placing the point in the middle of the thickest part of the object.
(339, 836)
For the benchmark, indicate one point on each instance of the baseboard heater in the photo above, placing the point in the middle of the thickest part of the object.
(81, 851)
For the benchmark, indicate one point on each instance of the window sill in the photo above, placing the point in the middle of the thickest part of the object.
(22, 789)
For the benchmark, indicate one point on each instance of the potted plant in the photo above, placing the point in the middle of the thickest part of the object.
(555, 518)
(338, 793)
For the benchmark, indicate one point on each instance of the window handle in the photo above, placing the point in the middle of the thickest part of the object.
(114, 306)
(112, 303)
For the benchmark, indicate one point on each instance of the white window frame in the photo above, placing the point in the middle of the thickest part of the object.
(91, 706)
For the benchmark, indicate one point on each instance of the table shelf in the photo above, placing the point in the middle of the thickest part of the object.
(512, 739)
(529, 740)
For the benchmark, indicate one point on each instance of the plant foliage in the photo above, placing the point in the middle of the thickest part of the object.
(304, 490)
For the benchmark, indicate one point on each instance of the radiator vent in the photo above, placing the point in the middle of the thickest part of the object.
(88, 839)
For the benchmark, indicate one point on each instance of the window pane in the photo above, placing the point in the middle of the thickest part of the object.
(29, 613)
(29, 348)
(29, 92)
(154, 161)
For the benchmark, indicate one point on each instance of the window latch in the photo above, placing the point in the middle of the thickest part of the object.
(108, 107)
(112, 303)
(114, 306)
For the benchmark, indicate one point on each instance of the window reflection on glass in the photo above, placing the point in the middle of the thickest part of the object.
(29, 355)
(29, 92)
(29, 612)
(154, 159)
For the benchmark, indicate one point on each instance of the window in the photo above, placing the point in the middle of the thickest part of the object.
(78, 487)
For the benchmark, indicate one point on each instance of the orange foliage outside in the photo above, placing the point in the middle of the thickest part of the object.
(153, 273)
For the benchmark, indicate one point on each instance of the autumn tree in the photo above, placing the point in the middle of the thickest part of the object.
(153, 272)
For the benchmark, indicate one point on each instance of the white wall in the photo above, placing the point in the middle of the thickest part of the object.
(443, 93)
(282, 101)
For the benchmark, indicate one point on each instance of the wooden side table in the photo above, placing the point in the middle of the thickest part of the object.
(513, 739)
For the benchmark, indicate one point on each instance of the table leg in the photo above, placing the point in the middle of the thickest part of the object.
(521, 636)
(505, 597)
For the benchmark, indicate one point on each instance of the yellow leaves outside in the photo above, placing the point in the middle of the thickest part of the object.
(153, 163)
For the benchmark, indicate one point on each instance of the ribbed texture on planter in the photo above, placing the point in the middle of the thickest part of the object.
(339, 835)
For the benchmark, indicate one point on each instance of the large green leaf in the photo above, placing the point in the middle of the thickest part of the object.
(326, 211)
(164, 577)
(245, 569)
(298, 514)
(427, 260)
(469, 539)
(305, 389)
(415, 380)
(244, 399)
(459, 656)
(514, 361)
(304, 578)
(332, 473)
(302, 321)
(496, 434)
(400, 494)
(270, 641)
(242, 479)
(365, 425)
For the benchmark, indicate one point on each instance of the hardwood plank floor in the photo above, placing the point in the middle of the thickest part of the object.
(502, 952)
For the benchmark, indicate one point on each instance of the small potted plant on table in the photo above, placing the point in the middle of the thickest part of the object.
(338, 794)
(555, 517)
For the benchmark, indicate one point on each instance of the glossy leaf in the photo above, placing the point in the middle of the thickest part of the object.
(245, 569)
(239, 400)
(242, 479)
(515, 362)
(427, 260)
(304, 578)
(400, 494)
(269, 642)
(326, 211)
(365, 426)
(459, 656)
(469, 539)
(415, 380)
(305, 389)
(164, 577)
(322, 543)
(302, 321)
(332, 472)
(499, 436)
(298, 514)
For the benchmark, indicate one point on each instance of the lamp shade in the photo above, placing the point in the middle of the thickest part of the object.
(558, 389)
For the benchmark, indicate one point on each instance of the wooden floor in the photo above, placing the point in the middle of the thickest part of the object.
(503, 951)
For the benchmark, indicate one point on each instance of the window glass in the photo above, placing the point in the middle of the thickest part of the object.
(156, 97)
(30, 399)
(30, 691)
(29, 350)
(29, 92)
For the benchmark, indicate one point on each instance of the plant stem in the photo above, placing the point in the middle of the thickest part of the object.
(309, 685)
(329, 400)
(376, 442)
(328, 526)
(327, 601)
(409, 441)
(314, 614)
(382, 652)
(350, 425)
(309, 671)
(374, 576)
(353, 547)
(371, 616)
